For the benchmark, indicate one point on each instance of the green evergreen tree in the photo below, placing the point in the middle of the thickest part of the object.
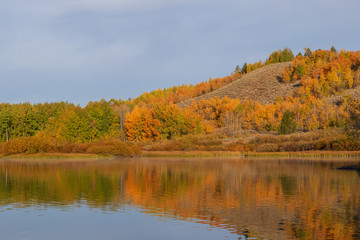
(288, 124)
(244, 69)
(307, 52)
(333, 49)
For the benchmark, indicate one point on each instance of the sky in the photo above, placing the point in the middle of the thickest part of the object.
(86, 50)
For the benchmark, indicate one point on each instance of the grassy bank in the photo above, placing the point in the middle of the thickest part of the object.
(191, 154)
(194, 154)
(57, 156)
(307, 154)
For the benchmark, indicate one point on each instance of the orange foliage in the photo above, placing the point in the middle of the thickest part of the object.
(325, 72)
(180, 93)
(140, 125)
(214, 110)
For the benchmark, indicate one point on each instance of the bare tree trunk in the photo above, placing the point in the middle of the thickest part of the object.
(7, 135)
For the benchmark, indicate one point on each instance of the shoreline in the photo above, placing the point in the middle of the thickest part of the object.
(191, 154)
(56, 156)
(308, 154)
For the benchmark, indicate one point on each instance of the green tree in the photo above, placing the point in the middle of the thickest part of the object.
(6, 120)
(75, 126)
(307, 52)
(244, 69)
(333, 49)
(102, 118)
(288, 124)
(285, 55)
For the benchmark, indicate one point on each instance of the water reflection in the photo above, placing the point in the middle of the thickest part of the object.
(274, 199)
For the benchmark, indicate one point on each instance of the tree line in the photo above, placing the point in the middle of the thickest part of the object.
(152, 116)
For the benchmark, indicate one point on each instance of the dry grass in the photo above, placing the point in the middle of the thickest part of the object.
(355, 93)
(339, 155)
(323, 140)
(328, 139)
(326, 155)
(263, 85)
(53, 156)
(175, 154)
(202, 142)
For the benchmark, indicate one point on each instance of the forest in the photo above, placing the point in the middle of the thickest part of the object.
(323, 113)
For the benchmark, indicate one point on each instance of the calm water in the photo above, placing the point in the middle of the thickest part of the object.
(178, 199)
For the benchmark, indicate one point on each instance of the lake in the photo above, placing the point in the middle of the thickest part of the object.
(142, 198)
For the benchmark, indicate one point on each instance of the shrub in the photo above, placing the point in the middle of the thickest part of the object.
(41, 143)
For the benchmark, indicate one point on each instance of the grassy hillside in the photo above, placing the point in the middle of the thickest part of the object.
(263, 85)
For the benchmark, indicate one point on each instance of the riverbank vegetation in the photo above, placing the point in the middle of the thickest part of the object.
(322, 113)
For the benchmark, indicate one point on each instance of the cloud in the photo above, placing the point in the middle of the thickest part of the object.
(122, 48)
(47, 52)
(46, 8)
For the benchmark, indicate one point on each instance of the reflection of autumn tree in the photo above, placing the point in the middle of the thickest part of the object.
(310, 200)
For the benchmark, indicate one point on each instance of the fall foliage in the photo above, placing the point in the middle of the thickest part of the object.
(320, 75)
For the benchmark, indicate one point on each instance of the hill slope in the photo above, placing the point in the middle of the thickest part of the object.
(335, 99)
(263, 85)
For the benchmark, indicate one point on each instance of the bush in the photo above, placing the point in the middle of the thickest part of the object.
(114, 147)
(41, 143)
(202, 142)
(268, 147)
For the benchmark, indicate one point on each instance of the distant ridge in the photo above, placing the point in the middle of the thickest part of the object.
(263, 85)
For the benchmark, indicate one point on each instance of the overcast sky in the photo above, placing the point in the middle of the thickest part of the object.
(86, 50)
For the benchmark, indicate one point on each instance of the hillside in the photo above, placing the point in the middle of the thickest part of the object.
(355, 93)
(263, 85)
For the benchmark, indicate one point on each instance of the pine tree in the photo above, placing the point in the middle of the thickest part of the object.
(288, 124)
(244, 69)
(307, 52)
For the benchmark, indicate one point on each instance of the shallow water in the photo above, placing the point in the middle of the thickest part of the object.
(179, 199)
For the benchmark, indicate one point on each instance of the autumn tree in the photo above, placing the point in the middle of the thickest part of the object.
(214, 109)
(175, 121)
(141, 126)
(233, 121)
